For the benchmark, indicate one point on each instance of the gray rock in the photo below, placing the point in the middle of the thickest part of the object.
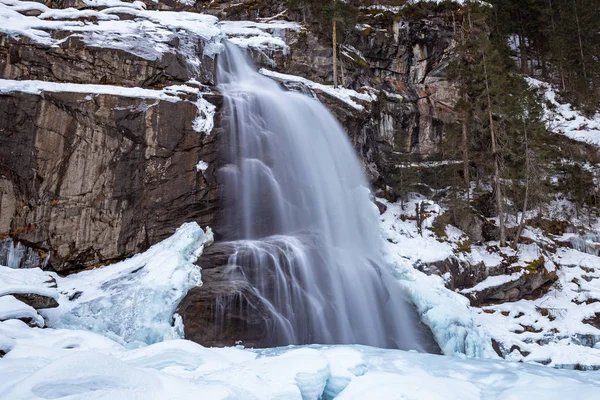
(225, 310)
(36, 301)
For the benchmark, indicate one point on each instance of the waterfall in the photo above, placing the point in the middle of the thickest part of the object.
(299, 216)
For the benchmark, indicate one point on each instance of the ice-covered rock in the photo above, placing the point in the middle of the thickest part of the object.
(134, 301)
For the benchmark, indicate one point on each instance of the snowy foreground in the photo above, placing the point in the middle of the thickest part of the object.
(116, 311)
(51, 364)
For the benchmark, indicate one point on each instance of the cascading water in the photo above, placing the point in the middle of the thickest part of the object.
(300, 221)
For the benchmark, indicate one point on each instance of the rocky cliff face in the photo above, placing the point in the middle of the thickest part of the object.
(100, 169)
(91, 179)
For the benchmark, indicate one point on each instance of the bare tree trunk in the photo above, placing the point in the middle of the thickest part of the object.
(496, 155)
(527, 178)
(523, 54)
(579, 38)
(465, 151)
(335, 81)
(560, 69)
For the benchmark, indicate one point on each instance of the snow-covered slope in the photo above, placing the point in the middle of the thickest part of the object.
(446, 313)
(558, 327)
(563, 118)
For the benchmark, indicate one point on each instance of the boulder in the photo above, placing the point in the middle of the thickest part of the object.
(462, 274)
(534, 281)
(36, 301)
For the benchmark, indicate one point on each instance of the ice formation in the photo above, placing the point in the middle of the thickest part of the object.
(134, 301)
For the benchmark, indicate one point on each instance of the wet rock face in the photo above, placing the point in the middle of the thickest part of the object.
(92, 179)
(225, 310)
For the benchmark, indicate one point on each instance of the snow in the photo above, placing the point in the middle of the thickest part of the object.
(72, 13)
(559, 337)
(348, 96)
(30, 280)
(397, 9)
(37, 87)
(201, 166)
(429, 164)
(138, 355)
(134, 301)
(548, 330)
(204, 122)
(493, 281)
(149, 34)
(50, 363)
(566, 120)
(11, 308)
(263, 36)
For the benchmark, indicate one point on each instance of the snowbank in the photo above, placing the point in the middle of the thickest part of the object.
(11, 308)
(30, 280)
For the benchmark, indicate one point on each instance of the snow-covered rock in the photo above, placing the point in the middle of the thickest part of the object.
(34, 286)
(348, 96)
(11, 308)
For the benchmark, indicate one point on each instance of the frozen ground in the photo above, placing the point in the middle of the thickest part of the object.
(74, 364)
